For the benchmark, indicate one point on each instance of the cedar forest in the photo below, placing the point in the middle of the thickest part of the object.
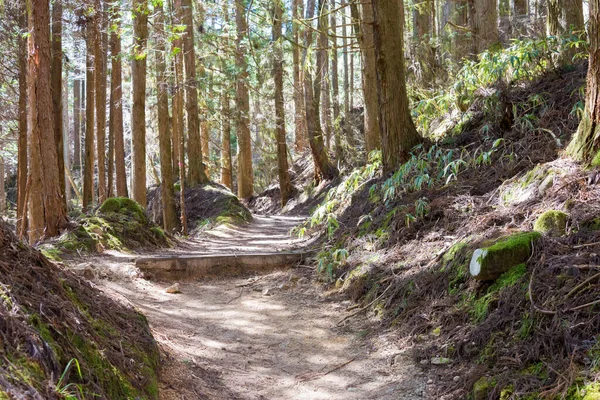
(300, 199)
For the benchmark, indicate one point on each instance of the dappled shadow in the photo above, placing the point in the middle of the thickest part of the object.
(284, 346)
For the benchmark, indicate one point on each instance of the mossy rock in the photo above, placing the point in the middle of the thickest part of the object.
(124, 206)
(491, 262)
(552, 223)
(483, 387)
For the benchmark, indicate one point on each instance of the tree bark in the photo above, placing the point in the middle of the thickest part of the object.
(2, 190)
(178, 94)
(138, 75)
(196, 171)
(585, 145)
(65, 138)
(365, 41)
(299, 113)
(116, 100)
(205, 138)
(398, 132)
(345, 60)
(99, 66)
(245, 173)
(51, 212)
(88, 167)
(485, 24)
(335, 83)
(77, 119)
(324, 169)
(22, 144)
(285, 184)
(226, 159)
(164, 134)
(325, 81)
(564, 18)
(56, 83)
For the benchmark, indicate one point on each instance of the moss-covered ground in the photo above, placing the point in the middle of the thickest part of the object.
(62, 338)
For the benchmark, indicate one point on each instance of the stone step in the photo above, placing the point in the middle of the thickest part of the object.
(195, 266)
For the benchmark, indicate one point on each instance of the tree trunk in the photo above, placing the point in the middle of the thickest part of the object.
(485, 23)
(77, 119)
(2, 190)
(99, 66)
(564, 18)
(285, 184)
(51, 212)
(325, 81)
(164, 135)
(398, 132)
(423, 34)
(88, 167)
(56, 83)
(116, 103)
(324, 169)
(345, 58)
(205, 137)
(65, 139)
(178, 94)
(245, 172)
(461, 41)
(299, 117)
(226, 168)
(335, 83)
(585, 145)
(22, 144)
(371, 113)
(138, 75)
(196, 172)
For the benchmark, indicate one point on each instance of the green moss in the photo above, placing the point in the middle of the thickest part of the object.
(480, 307)
(507, 392)
(483, 387)
(515, 241)
(125, 206)
(552, 222)
(52, 253)
(526, 327)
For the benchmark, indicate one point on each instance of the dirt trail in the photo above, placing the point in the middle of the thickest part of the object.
(262, 337)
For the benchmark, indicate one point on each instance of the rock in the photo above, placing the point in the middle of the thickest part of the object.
(424, 362)
(490, 262)
(440, 361)
(267, 292)
(552, 223)
(173, 289)
(482, 388)
(456, 379)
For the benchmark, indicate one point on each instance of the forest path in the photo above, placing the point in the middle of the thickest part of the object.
(273, 336)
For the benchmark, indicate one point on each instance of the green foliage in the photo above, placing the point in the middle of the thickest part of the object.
(329, 261)
(337, 199)
(70, 391)
(524, 59)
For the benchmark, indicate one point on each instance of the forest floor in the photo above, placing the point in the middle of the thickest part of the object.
(273, 336)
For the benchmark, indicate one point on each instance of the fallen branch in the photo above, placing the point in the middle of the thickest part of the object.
(322, 374)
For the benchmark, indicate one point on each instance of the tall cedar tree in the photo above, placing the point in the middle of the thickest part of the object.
(77, 120)
(585, 145)
(245, 172)
(22, 153)
(285, 184)
(335, 82)
(365, 40)
(226, 158)
(56, 83)
(196, 171)
(164, 133)
(299, 113)
(324, 169)
(88, 164)
(101, 78)
(564, 18)
(485, 23)
(50, 214)
(398, 132)
(116, 99)
(138, 75)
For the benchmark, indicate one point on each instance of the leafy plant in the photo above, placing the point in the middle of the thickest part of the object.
(70, 391)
